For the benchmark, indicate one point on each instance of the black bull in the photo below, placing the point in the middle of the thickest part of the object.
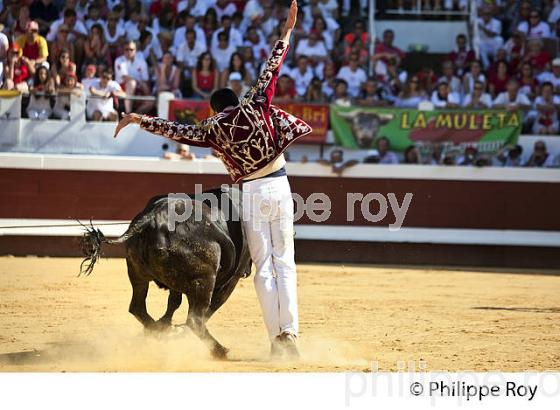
(203, 258)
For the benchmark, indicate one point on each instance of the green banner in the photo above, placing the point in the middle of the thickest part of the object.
(488, 130)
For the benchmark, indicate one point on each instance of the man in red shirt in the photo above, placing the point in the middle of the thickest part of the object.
(250, 136)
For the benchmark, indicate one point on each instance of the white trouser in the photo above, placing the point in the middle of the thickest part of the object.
(268, 222)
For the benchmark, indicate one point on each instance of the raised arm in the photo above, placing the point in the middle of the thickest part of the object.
(197, 135)
(266, 83)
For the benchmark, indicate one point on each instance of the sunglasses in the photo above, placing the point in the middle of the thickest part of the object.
(129, 49)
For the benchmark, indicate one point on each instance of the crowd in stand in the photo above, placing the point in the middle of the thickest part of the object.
(107, 49)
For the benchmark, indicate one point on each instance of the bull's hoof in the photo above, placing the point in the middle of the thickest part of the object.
(220, 352)
(157, 328)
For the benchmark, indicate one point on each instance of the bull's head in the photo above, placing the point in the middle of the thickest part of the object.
(365, 125)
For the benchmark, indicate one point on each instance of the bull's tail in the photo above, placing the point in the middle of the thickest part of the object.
(91, 244)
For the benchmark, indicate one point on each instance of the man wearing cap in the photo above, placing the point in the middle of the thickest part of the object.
(34, 46)
(235, 82)
(552, 76)
(250, 137)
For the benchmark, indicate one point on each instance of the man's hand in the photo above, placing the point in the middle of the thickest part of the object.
(290, 21)
(127, 119)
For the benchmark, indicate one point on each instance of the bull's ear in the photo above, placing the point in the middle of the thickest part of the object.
(385, 118)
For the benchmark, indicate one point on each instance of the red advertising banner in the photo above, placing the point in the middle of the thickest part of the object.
(316, 115)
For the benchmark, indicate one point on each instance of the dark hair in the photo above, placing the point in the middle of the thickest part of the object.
(69, 13)
(241, 70)
(201, 57)
(190, 31)
(223, 35)
(222, 98)
(37, 80)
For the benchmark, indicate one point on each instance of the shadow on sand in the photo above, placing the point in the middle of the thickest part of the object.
(520, 309)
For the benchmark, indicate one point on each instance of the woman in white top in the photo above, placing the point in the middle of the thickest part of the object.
(411, 95)
(39, 107)
(478, 99)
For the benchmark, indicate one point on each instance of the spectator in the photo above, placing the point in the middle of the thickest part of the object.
(61, 43)
(449, 77)
(358, 32)
(536, 56)
(475, 74)
(256, 42)
(224, 8)
(498, 81)
(285, 90)
(188, 52)
(34, 46)
(210, 22)
(515, 50)
(329, 78)
(336, 162)
(235, 39)
(131, 72)
(181, 32)
(314, 93)
(354, 75)
(205, 77)
(540, 156)
(114, 35)
(428, 79)
(183, 151)
(39, 107)
(546, 106)
(18, 28)
(490, 35)
(168, 76)
(69, 87)
(371, 95)
(386, 156)
(104, 91)
(512, 99)
(89, 77)
(236, 64)
(77, 29)
(4, 46)
(222, 52)
(552, 76)
(237, 85)
(461, 57)
(528, 84)
(149, 48)
(510, 156)
(16, 71)
(320, 27)
(62, 67)
(360, 48)
(44, 12)
(412, 94)
(534, 27)
(386, 50)
(442, 97)
(302, 75)
(478, 99)
(340, 96)
(412, 156)
(94, 17)
(96, 50)
(314, 49)
(469, 157)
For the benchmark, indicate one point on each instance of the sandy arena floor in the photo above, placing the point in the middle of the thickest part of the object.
(351, 316)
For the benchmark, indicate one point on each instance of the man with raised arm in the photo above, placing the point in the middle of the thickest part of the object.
(250, 136)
